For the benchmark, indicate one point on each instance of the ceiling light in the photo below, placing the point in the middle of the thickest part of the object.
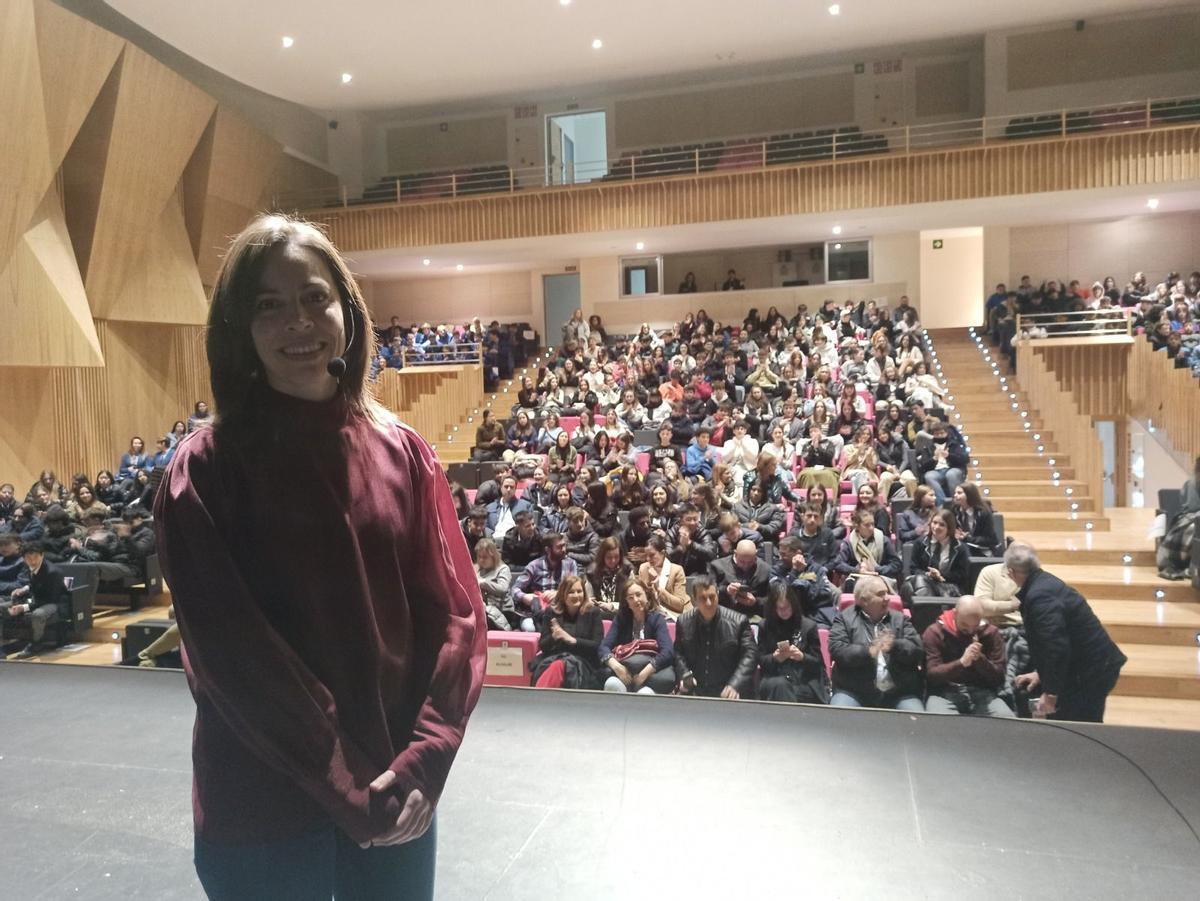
(640, 245)
(837, 229)
(597, 43)
(347, 78)
(837, 246)
(564, 2)
(460, 267)
(835, 10)
(1152, 203)
(426, 261)
(287, 42)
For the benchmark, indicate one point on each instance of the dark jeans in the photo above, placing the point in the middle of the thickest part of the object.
(1085, 704)
(317, 866)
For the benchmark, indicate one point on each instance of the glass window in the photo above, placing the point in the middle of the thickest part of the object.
(641, 276)
(848, 261)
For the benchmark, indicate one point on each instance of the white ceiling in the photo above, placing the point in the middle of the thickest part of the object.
(557, 252)
(416, 52)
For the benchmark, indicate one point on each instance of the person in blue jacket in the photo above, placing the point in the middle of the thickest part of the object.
(638, 618)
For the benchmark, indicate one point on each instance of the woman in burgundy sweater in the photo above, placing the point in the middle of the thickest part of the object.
(334, 641)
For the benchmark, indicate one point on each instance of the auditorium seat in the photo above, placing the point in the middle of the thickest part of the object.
(508, 657)
(823, 635)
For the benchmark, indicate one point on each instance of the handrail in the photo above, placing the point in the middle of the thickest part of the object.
(1108, 323)
(442, 354)
(735, 153)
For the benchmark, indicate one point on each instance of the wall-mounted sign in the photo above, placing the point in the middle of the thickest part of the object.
(937, 243)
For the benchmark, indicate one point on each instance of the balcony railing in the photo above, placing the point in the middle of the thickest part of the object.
(456, 353)
(740, 153)
(1114, 322)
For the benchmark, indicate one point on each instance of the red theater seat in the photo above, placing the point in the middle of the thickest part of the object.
(508, 657)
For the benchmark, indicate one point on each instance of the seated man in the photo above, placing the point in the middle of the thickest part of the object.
(758, 514)
(36, 603)
(13, 572)
(816, 539)
(502, 512)
(690, 545)
(522, 545)
(137, 539)
(534, 589)
(876, 653)
(489, 489)
(941, 461)
(582, 540)
(867, 551)
(965, 663)
(700, 456)
(743, 580)
(730, 531)
(715, 654)
(105, 550)
(997, 595)
(807, 582)
(635, 538)
(474, 527)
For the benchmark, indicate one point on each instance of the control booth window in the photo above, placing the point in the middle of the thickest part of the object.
(641, 276)
(848, 261)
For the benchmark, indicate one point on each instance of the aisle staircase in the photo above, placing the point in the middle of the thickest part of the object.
(1104, 555)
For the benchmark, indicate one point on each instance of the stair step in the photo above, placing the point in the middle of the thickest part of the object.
(1032, 484)
(1136, 622)
(1034, 474)
(1120, 583)
(1052, 522)
(1160, 671)
(1042, 504)
(1052, 557)
(1152, 713)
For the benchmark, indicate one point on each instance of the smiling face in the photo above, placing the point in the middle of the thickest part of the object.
(298, 322)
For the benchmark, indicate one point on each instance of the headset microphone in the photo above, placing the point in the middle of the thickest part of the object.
(337, 366)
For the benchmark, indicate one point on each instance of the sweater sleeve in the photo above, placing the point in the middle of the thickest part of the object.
(448, 614)
(255, 680)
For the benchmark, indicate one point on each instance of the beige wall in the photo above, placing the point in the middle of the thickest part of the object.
(1089, 251)
(951, 278)
(754, 265)
(997, 249)
(506, 296)
(440, 145)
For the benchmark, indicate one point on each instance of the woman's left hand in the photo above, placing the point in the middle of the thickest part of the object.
(414, 819)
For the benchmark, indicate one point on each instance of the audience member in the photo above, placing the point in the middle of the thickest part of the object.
(495, 583)
(571, 634)
(789, 652)
(965, 663)
(743, 579)
(36, 601)
(867, 552)
(533, 589)
(637, 649)
(876, 653)
(940, 566)
(665, 582)
(715, 654)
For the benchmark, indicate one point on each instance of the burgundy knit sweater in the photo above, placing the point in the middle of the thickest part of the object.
(332, 625)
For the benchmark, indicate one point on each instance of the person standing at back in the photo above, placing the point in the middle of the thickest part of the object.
(1076, 663)
(335, 637)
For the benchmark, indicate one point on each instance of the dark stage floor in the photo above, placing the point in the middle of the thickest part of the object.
(579, 796)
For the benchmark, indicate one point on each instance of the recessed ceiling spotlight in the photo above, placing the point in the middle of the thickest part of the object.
(287, 42)
(564, 2)
(835, 9)
(837, 246)
(597, 43)
(426, 261)
(837, 229)
(1152, 203)
(460, 267)
(640, 245)
(347, 78)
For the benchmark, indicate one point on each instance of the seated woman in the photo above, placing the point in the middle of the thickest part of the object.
(674, 481)
(571, 633)
(662, 510)
(708, 503)
(789, 652)
(846, 424)
(868, 499)
(818, 456)
(547, 433)
(600, 510)
(867, 551)
(638, 649)
(766, 474)
(529, 399)
(585, 433)
(599, 450)
(108, 492)
(490, 440)
(975, 526)
(831, 516)
(665, 582)
(893, 456)
(606, 574)
(860, 464)
(462, 506)
(1174, 553)
(783, 450)
(924, 387)
(758, 514)
(913, 523)
(939, 563)
(726, 486)
(520, 449)
(561, 460)
(84, 501)
(629, 491)
(495, 582)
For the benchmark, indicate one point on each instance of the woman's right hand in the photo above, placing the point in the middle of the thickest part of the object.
(620, 671)
(414, 819)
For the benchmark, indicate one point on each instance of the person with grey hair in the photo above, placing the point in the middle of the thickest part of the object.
(1075, 661)
(876, 652)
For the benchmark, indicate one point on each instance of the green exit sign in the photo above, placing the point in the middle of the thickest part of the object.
(937, 243)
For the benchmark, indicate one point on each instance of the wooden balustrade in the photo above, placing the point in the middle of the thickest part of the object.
(1074, 432)
(432, 399)
(1077, 162)
(1168, 397)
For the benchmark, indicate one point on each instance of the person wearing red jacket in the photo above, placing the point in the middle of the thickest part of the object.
(965, 662)
(333, 632)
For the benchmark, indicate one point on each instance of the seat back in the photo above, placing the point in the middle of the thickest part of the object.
(823, 635)
(508, 657)
(998, 522)
(84, 583)
(906, 555)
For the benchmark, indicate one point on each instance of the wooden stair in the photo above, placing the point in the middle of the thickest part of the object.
(1156, 622)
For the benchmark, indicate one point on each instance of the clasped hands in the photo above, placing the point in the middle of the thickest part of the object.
(414, 819)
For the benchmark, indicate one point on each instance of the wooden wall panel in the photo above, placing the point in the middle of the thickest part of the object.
(1094, 373)
(298, 180)
(1167, 396)
(1152, 156)
(27, 423)
(157, 121)
(431, 398)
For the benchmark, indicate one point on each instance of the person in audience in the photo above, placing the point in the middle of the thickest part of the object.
(997, 595)
(606, 575)
(1174, 551)
(1076, 664)
(687, 286)
(876, 653)
(495, 584)
(629, 492)
(600, 509)
(522, 544)
(942, 461)
(636, 536)
(818, 459)
(13, 572)
(816, 540)
(664, 581)
(974, 524)
(867, 498)
(664, 451)
(726, 488)
(27, 524)
(758, 514)
(37, 601)
(536, 585)
(502, 513)
(83, 501)
(178, 432)
(133, 461)
(662, 510)
(200, 418)
(715, 654)
(807, 581)
(733, 283)
(582, 541)
(474, 526)
(740, 453)
(637, 649)
(108, 492)
(743, 579)
(867, 552)
(540, 493)
(521, 448)
(766, 474)
(571, 633)
(561, 461)
(691, 546)
(462, 505)
(913, 524)
(8, 505)
(940, 566)
(893, 456)
(700, 456)
(490, 440)
(789, 652)
(965, 663)
(61, 531)
(163, 452)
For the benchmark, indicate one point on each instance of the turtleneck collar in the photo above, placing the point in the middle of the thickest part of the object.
(293, 415)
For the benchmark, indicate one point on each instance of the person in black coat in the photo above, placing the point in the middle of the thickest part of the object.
(789, 652)
(1076, 663)
(715, 654)
(940, 563)
(974, 524)
(743, 579)
(690, 545)
(568, 649)
(807, 581)
(37, 603)
(876, 653)
(816, 539)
